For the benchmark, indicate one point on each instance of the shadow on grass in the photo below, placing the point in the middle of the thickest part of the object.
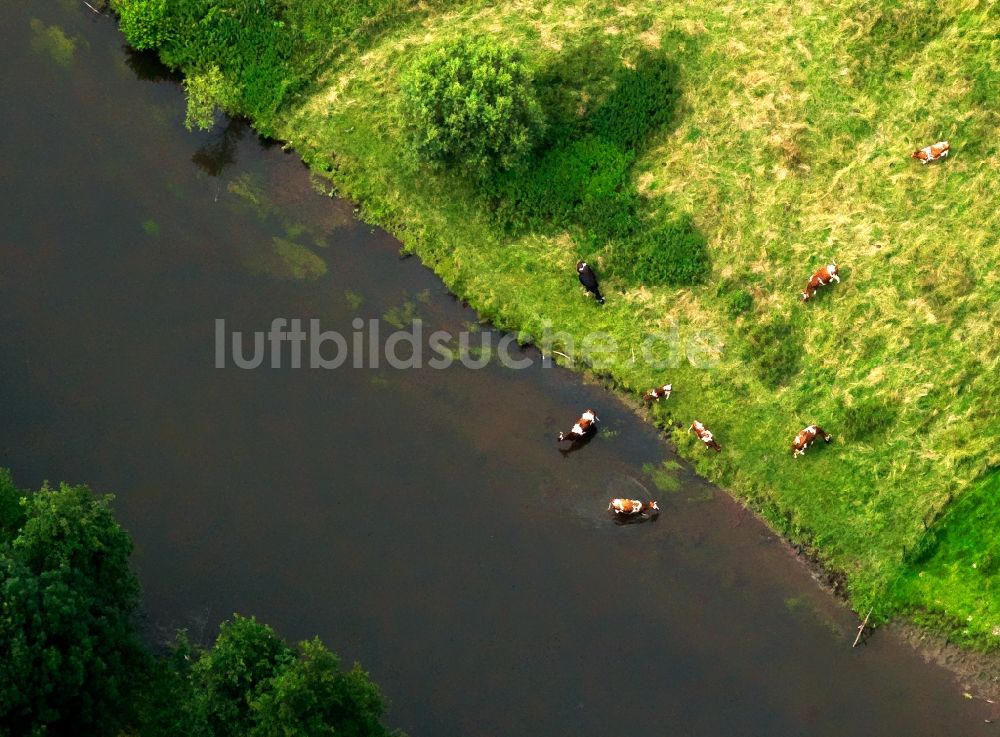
(602, 115)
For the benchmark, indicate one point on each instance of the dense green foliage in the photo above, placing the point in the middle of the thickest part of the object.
(71, 662)
(243, 56)
(69, 656)
(250, 683)
(144, 23)
(469, 104)
(242, 47)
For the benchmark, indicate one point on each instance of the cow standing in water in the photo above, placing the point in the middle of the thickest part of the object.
(660, 392)
(589, 280)
(626, 509)
(931, 153)
(807, 437)
(705, 435)
(823, 276)
(583, 428)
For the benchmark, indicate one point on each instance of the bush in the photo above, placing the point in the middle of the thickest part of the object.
(672, 253)
(143, 22)
(248, 43)
(774, 351)
(205, 91)
(70, 656)
(469, 104)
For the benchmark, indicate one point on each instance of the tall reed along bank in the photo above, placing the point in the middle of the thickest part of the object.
(705, 159)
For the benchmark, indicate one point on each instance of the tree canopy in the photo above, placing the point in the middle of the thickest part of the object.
(469, 103)
(71, 662)
(68, 650)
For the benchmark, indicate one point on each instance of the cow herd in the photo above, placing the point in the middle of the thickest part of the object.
(586, 426)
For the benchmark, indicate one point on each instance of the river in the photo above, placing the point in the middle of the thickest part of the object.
(420, 521)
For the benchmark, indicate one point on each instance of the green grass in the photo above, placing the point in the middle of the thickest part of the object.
(787, 144)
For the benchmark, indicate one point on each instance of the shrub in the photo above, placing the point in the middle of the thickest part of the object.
(143, 22)
(673, 253)
(774, 350)
(469, 104)
(247, 43)
(204, 92)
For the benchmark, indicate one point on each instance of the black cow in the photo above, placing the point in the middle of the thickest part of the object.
(589, 280)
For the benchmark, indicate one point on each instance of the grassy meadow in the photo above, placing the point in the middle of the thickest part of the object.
(787, 144)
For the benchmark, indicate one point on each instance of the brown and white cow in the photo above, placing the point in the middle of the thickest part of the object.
(932, 153)
(823, 276)
(705, 435)
(583, 427)
(807, 437)
(624, 508)
(660, 392)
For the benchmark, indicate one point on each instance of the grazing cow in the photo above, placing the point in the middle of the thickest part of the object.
(660, 392)
(633, 509)
(807, 437)
(584, 427)
(705, 435)
(823, 276)
(932, 153)
(589, 280)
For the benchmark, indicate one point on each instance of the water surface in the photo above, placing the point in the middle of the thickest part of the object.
(421, 522)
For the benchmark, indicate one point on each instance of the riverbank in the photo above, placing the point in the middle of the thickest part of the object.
(789, 147)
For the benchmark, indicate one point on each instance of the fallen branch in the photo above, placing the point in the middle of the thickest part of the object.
(92, 7)
(861, 627)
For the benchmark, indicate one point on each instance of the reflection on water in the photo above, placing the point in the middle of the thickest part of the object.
(423, 522)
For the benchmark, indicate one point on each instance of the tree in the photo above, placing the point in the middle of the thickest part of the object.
(68, 651)
(71, 663)
(144, 22)
(469, 104)
(229, 676)
(312, 697)
(250, 683)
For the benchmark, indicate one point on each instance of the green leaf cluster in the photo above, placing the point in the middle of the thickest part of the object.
(69, 656)
(251, 683)
(469, 104)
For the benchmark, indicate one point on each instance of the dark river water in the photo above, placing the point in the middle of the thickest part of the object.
(419, 521)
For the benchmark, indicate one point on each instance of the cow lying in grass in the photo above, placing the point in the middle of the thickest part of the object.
(705, 435)
(807, 437)
(633, 509)
(931, 153)
(583, 428)
(821, 278)
(660, 392)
